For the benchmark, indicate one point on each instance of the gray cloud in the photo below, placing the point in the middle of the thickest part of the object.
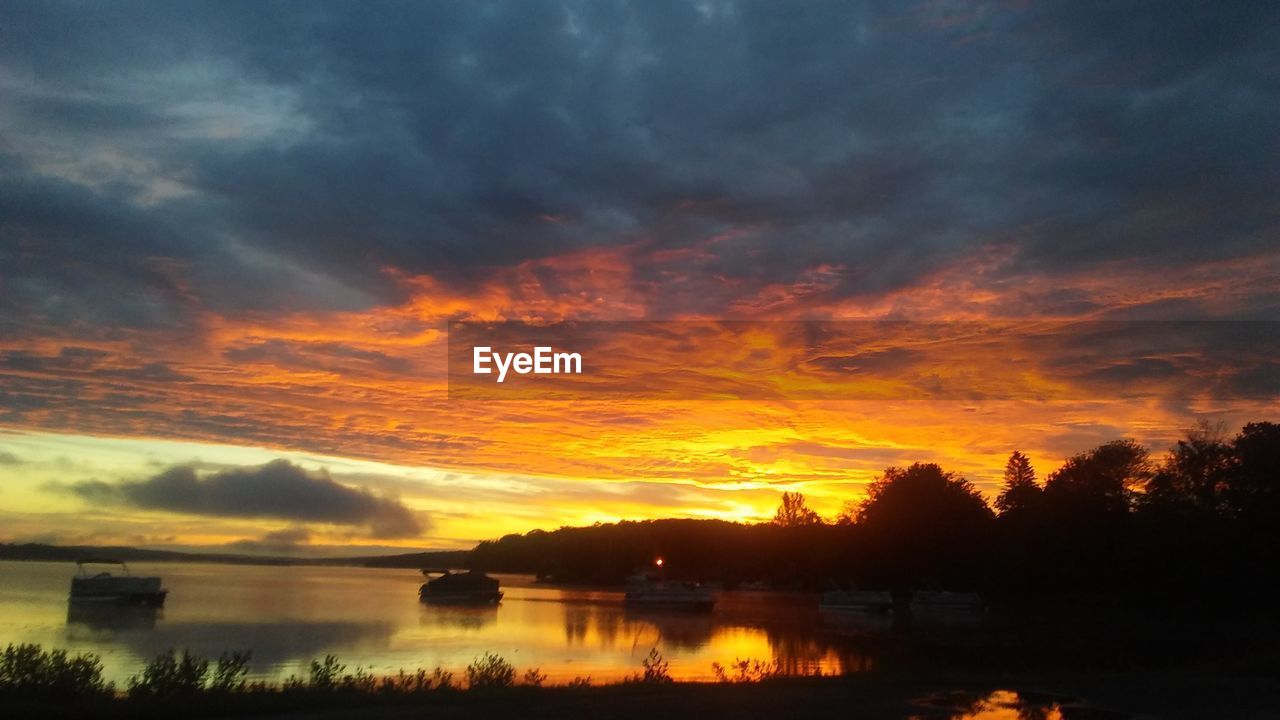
(278, 489)
(318, 356)
(8, 458)
(282, 156)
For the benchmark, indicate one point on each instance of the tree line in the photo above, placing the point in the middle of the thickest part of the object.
(1201, 523)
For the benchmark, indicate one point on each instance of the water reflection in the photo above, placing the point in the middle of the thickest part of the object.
(287, 616)
(857, 622)
(458, 616)
(108, 617)
(278, 648)
(1008, 705)
(807, 653)
(941, 617)
(673, 628)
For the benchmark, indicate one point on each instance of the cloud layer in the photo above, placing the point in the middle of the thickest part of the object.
(248, 223)
(266, 157)
(277, 490)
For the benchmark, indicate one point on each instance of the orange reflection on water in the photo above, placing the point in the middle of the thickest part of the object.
(288, 616)
(998, 705)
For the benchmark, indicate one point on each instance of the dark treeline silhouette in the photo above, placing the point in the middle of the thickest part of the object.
(1201, 523)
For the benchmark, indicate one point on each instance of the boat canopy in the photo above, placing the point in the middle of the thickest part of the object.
(469, 581)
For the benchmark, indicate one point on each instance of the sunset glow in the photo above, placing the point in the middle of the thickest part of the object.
(213, 257)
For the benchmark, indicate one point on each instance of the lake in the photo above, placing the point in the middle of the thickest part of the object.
(288, 616)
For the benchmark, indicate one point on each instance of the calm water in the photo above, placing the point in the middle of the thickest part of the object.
(289, 615)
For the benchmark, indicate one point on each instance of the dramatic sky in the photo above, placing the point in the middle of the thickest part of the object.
(232, 236)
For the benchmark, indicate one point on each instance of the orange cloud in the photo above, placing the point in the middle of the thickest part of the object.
(372, 384)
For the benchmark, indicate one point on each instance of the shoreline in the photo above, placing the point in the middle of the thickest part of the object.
(872, 696)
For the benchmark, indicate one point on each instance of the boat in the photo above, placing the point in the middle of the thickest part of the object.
(468, 588)
(649, 593)
(122, 589)
(923, 600)
(866, 601)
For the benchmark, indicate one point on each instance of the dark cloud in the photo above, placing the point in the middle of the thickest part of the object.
(71, 360)
(278, 489)
(8, 458)
(150, 372)
(874, 362)
(283, 156)
(318, 356)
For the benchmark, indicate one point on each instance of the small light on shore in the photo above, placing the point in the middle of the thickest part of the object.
(658, 562)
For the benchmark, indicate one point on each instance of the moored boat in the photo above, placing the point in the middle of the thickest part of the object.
(468, 588)
(646, 592)
(123, 589)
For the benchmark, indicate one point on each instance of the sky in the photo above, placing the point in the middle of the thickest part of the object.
(233, 234)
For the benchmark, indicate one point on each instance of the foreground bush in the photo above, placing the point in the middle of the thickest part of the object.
(490, 671)
(746, 671)
(534, 677)
(656, 668)
(194, 684)
(230, 674)
(169, 675)
(28, 671)
(417, 682)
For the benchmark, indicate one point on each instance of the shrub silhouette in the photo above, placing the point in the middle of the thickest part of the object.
(746, 670)
(170, 674)
(490, 671)
(230, 672)
(326, 674)
(656, 668)
(28, 671)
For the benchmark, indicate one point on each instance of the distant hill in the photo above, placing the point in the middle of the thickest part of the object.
(72, 553)
(437, 559)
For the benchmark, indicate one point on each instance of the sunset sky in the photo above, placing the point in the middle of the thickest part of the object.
(232, 236)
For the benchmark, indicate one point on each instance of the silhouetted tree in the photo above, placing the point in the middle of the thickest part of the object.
(1194, 476)
(1253, 487)
(1100, 481)
(1101, 525)
(1020, 493)
(930, 525)
(923, 489)
(1086, 525)
(848, 514)
(795, 512)
(1020, 552)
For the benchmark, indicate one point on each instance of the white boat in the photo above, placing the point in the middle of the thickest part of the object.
(123, 589)
(645, 592)
(924, 600)
(867, 601)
